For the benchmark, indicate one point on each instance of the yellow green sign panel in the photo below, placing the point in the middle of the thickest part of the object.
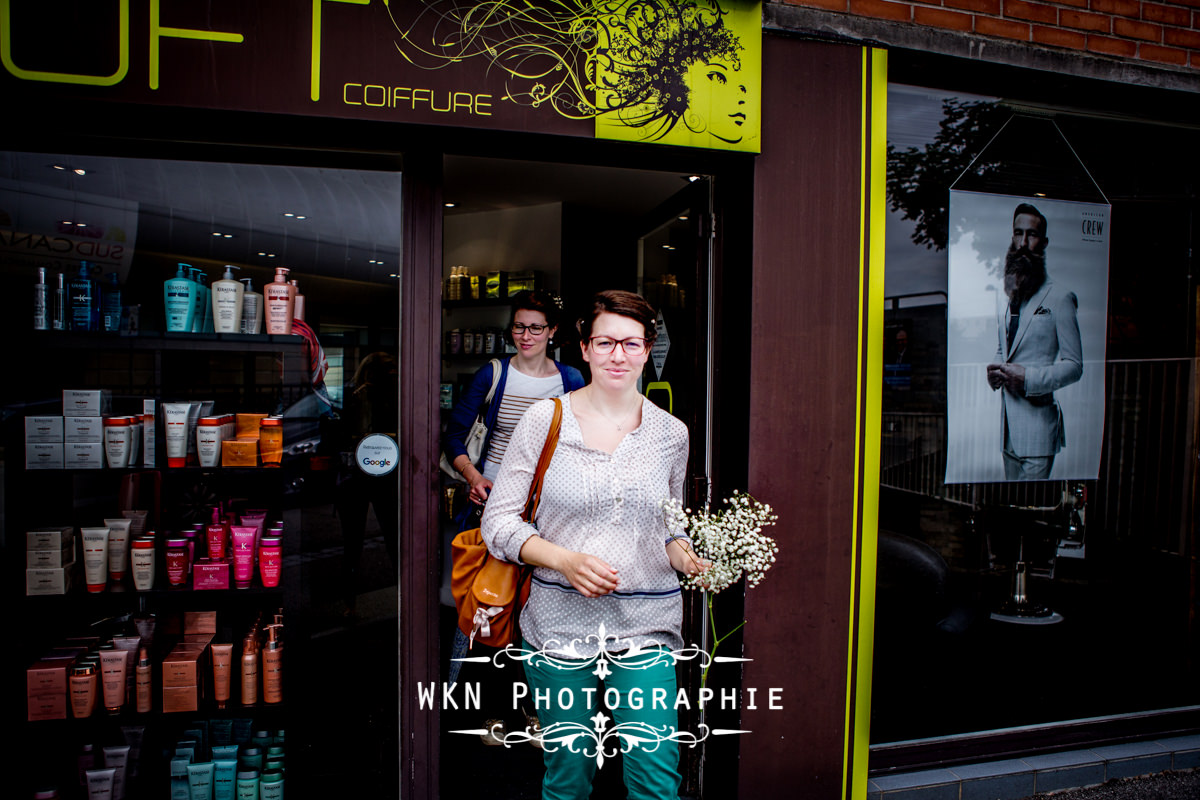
(683, 73)
(674, 72)
(679, 72)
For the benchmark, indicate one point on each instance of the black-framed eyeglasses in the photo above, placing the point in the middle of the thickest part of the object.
(536, 330)
(634, 346)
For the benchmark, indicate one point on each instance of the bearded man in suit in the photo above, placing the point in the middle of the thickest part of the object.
(1039, 351)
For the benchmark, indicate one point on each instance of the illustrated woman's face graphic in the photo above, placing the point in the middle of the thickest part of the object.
(719, 95)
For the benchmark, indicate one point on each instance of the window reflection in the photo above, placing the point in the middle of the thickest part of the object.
(1107, 555)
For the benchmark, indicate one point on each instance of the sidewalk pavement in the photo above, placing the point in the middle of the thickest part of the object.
(1162, 786)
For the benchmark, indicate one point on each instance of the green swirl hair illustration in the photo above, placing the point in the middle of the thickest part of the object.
(622, 58)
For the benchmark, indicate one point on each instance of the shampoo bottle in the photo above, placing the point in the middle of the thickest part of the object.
(110, 304)
(59, 320)
(144, 687)
(207, 326)
(279, 295)
(272, 666)
(179, 298)
(252, 309)
(297, 302)
(228, 303)
(83, 306)
(201, 294)
(41, 302)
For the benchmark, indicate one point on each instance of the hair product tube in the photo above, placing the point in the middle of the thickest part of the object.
(222, 661)
(176, 416)
(100, 783)
(118, 547)
(273, 665)
(117, 757)
(224, 779)
(200, 780)
(249, 671)
(145, 691)
(195, 411)
(95, 558)
(113, 665)
(137, 519)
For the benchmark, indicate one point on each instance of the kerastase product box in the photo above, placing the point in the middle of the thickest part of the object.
(87, 402)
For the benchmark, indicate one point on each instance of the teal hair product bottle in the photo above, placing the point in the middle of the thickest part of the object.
(201, 300)
(179, 299)
(83, 308)
(110, 304)
(207, 326)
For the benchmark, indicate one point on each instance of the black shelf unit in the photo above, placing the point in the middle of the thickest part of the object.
(254, 373)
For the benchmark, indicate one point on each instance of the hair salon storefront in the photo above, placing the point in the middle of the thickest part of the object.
(740, 180)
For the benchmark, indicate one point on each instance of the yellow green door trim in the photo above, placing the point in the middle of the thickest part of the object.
(872, 215)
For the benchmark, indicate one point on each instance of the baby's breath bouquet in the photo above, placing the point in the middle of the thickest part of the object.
(732, 539)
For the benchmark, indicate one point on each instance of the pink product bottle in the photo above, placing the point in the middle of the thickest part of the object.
(177, 561)
(192, 536)
(215, 535)
(279, 298)
(270, 560)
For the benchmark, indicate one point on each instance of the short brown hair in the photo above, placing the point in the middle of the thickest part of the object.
(536, 300)
(626, 304)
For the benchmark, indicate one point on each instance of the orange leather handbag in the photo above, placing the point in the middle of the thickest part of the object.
(490, 592)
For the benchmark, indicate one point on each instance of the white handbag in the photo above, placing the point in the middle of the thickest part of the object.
(478, 433)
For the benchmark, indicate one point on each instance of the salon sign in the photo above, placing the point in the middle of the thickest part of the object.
(677, 72)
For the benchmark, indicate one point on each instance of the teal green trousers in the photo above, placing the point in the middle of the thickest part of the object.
(564, 704)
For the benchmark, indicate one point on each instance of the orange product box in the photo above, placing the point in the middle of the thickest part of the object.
(239, 453)
(246, 425)
(46, 689)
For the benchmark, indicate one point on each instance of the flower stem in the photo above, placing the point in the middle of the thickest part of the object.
(712, 624)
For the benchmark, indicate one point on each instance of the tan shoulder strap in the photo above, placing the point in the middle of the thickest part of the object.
(535, 488)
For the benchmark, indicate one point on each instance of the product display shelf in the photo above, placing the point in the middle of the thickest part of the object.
(485, 302)
(473, 358)
(268, 375)
(151, 340)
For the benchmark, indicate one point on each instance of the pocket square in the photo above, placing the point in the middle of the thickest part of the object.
(1041, 310)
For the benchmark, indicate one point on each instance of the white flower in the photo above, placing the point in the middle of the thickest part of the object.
(731, 538)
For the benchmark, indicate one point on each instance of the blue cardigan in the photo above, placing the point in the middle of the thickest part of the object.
(471, 403)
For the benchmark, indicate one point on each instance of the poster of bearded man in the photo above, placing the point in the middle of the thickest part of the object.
(1026, 326)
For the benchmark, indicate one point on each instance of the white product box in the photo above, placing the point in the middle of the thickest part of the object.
(43, 429)
(56, 537)
(87, 402)
(83, 455)
(48, 581)
(49, 559)
(83, 429)
(148, 412)
(44, 455)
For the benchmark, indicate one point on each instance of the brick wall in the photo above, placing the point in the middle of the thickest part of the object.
(1156, 33)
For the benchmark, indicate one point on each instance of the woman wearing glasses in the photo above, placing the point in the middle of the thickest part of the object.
(525, 378)
(605, 561)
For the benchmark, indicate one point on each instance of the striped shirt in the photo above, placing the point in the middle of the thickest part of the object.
(520, 392)
(607, 505)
